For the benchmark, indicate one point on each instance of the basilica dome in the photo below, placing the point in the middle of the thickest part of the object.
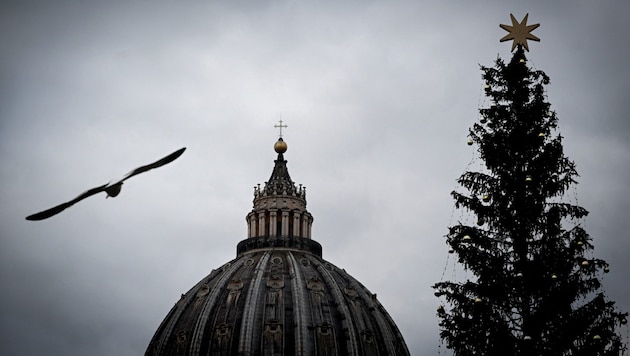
(278, 296)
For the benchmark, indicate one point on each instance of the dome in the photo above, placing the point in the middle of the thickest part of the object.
(278, 296)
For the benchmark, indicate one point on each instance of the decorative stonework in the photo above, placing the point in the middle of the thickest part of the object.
(280, 205)
(293, 306)
(278, 296)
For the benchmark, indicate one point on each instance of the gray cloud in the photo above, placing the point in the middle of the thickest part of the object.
(378, 98)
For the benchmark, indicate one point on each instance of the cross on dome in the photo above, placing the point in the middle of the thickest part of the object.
(280, 126)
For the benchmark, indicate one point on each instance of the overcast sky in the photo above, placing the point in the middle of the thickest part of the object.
(378, 97)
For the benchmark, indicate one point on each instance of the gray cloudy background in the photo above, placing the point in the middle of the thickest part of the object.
(378, 97)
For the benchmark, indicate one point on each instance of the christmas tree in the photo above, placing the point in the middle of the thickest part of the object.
(536, 287)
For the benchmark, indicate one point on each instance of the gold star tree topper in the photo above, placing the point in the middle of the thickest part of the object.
(519, 32)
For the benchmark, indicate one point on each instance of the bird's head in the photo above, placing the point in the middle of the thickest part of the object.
(113, 190)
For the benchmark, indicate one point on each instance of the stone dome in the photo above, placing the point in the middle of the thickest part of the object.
(278, 296)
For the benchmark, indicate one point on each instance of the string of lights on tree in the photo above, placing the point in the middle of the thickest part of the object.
(533, 285)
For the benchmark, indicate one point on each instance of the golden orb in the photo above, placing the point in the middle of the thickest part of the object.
(280, 146)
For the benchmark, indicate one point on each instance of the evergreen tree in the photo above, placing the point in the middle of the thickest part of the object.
(536, 288)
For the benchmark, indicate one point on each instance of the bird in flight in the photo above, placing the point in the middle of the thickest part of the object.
(112, 188)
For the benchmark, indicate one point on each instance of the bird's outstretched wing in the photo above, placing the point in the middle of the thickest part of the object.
(159, 163)
(61, 207)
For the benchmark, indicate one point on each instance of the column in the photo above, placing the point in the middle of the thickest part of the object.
(273, 225)
(261, 223)
(285, 223)
(296, 224)
(251, 224)
(304, 225)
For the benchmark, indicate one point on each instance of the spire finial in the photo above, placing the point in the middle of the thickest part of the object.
(280, 126)
(280, 146)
